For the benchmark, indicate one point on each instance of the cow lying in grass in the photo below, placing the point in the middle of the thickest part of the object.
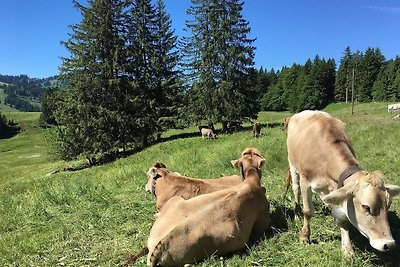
(165, 184)
(218, 223)
(322, 160)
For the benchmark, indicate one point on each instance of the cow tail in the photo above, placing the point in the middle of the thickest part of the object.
(133, 258)
(288, 181)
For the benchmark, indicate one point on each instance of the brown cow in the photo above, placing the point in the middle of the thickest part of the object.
(219, 223)
(209, 133)
(322, 160)
(286, 123)
(165, 184)
(256, 129)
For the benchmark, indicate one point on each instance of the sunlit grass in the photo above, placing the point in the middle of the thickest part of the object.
(98, 216)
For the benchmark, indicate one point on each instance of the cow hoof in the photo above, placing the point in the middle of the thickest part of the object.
(298, 213)
(348, 252)
(305, 241)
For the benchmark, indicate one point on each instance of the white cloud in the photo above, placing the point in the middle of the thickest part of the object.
(385, 9)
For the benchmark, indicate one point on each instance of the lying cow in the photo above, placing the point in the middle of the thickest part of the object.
(322, 160)
(209, 133)
(165, 184)
(219, 223)
(256, 129)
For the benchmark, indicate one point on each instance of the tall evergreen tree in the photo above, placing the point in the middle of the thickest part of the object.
(165, 61)
(344, 76)
(90, 116)
(51, 100)
(219, 57)
(386, 87)
(368, 69)
(275, 95)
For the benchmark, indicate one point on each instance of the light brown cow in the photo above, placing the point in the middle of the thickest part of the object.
(322, 160)
(165, 184)
(219, 223)
(256, 129)
(209, 133)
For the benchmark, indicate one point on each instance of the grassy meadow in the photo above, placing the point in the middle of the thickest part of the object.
(99, 216)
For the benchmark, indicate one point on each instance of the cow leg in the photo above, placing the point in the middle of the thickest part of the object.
(296, 191)
(347, 248)
(308, 210)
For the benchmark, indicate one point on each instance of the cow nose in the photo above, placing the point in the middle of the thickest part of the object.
(389, 246)
(383, 245)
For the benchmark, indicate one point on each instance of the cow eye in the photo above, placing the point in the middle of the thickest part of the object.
(366, 209)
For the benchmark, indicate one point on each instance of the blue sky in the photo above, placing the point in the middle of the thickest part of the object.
(287, 31)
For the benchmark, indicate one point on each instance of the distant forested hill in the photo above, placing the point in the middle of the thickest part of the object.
(24, 93)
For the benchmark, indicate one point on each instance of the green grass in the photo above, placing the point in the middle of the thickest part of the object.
(98, 216)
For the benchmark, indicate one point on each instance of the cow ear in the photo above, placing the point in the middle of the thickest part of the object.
(236, 163)
(261, 163)
(393, 190)
(337, 196)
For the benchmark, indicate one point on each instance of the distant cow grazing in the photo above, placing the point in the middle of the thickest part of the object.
(256, 129)
(218, 223)
(164, 184)
(394, 107)
(209, 126)
(208, 133)
(322, 160)
(286, 123)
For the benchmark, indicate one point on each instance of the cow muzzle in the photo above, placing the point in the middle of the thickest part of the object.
(383, 245)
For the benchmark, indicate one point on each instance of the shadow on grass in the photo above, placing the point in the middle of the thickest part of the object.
(111, 157)
(10, 131)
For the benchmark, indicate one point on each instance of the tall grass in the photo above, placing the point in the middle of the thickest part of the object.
(98, 216)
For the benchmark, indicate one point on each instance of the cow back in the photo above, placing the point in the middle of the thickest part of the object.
(317, 143)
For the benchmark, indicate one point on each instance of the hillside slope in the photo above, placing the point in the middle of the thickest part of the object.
(98, 216)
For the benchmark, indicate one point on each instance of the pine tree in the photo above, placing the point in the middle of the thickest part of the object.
(219, 57)
(90, 118)
(368, 69)
(386, 87)
(344, 76)
(165, 61)
(51, 101)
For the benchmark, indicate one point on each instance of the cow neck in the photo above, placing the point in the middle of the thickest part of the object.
(349, 171)
(246, 175)
(153, 186)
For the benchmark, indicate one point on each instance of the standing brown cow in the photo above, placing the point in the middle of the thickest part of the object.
(322, 160)
(286, 123)
(256, 129)
(209, 133)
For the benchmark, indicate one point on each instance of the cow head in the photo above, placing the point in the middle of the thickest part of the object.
(251, 157)
(365, 200)
(152, 173)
